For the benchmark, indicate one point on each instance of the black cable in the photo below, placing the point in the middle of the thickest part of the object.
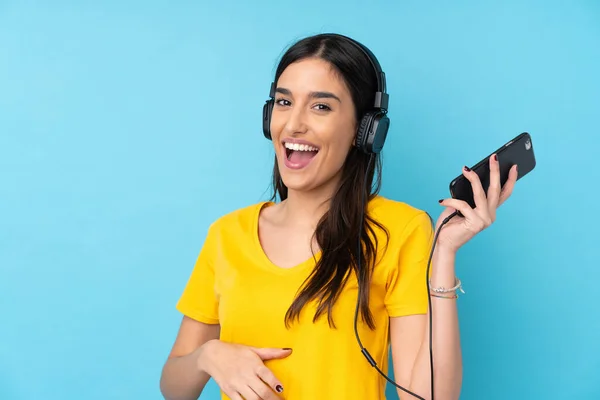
(444, 222)
(363, 350)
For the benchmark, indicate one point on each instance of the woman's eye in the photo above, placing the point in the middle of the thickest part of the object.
(323, 107)
(282, 102)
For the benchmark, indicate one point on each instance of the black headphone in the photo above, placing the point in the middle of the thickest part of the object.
(374, 125)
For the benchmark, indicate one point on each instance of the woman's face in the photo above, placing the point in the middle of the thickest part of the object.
(313, 124)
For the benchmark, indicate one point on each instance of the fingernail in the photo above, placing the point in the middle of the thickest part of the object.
(286, 348)
(279, 388)
(467, 168)
(441, 200)
(495, 157)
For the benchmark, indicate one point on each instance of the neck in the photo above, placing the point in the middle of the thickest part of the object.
(303, 208)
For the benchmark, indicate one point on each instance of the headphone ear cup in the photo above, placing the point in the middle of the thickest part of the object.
(380, 127)
(267, 111)
(372, 132)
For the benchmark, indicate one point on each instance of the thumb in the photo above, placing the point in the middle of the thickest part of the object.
(271, 353)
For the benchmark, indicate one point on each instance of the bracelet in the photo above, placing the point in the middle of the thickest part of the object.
(454, 296)
(457, 286)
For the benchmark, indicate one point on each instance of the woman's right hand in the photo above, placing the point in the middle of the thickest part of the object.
(239, 370)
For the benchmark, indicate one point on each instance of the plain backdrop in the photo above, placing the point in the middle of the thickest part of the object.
(127, 127)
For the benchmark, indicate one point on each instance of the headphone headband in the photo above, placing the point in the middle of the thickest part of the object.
(381, 96)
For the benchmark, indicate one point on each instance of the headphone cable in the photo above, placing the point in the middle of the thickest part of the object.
(363, 350)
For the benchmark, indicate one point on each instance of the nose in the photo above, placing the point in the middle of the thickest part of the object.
(296, 122)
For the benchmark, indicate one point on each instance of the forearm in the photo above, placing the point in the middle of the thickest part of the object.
(447, 357)
(183, 377)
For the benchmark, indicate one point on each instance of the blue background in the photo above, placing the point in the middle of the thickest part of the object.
(126, 128)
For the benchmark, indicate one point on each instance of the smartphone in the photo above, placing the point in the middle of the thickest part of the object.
(517, 151)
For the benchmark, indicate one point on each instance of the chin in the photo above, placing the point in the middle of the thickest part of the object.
(304, 181)
(301, 182)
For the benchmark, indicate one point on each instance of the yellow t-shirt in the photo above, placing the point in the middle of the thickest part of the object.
(234, 284)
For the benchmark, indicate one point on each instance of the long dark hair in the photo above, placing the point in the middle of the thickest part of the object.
(337, 231)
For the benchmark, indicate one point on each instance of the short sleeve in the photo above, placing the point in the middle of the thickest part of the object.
(406, 284)
(199, 300)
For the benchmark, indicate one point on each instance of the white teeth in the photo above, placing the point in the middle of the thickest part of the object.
(300, 147)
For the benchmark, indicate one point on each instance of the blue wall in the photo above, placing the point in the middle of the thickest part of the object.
(112, 118)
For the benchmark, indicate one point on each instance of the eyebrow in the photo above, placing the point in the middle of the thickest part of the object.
(315, 95)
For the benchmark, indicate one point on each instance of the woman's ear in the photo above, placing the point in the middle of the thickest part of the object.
(354, 142)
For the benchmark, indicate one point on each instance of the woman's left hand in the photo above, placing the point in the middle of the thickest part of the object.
(460, 229)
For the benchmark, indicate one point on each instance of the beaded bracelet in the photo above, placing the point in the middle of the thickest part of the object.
(457, 286)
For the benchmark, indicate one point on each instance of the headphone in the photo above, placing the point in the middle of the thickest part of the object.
(374, 125)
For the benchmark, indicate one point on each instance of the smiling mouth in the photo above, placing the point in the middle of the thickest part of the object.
(299, 155)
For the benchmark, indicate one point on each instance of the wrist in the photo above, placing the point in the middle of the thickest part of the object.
(202, 355)
(443, 272)
(444, 250)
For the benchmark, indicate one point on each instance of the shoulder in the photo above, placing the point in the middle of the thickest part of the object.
(394, 212)
(241, 220)
(399, 217)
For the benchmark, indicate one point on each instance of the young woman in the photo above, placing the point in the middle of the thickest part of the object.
(269, 309)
